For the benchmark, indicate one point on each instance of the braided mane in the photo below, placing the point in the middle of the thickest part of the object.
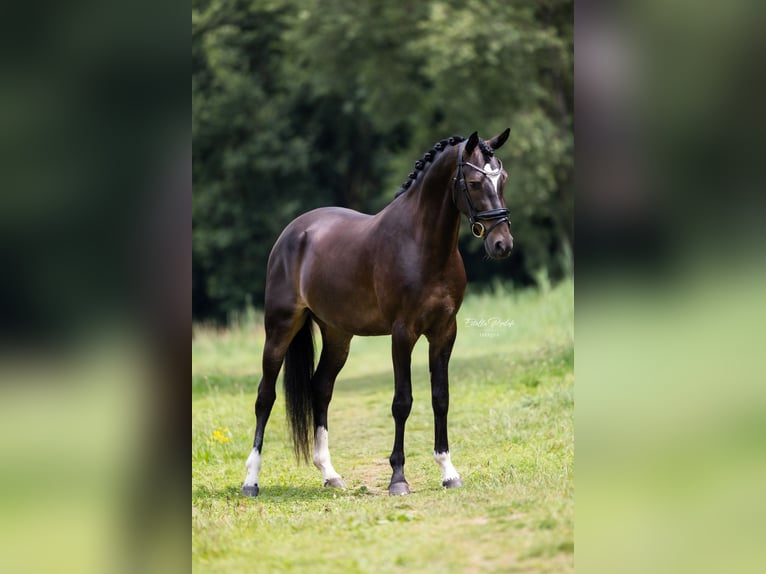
(429, 156)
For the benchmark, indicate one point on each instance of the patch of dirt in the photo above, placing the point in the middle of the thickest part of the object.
(373, 477)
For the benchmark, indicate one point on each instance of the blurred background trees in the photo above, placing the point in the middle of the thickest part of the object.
(302, 104)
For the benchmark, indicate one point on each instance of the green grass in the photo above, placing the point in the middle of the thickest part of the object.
(511, 438)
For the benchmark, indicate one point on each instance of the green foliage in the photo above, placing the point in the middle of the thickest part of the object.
(303, 104)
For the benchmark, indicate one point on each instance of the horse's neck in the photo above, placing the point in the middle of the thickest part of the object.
(430, 211)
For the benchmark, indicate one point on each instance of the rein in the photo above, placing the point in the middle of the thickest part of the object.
(499, 215)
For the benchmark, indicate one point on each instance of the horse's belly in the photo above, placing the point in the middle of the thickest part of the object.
(351, 311)
(339, 292)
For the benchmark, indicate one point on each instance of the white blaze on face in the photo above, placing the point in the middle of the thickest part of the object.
(322, 454)
(253, 466)
(448, 471)
(493, 178)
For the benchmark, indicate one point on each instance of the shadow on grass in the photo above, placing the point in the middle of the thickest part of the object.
(275, 494)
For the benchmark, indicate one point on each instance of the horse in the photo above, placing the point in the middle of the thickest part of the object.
(396, 273)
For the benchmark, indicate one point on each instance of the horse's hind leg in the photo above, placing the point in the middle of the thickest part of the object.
(280, 330)
(335, 346)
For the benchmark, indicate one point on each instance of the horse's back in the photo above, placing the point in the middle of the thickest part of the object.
(319, 230)
(337, 222)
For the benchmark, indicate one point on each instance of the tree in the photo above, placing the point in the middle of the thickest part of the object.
(302, 104)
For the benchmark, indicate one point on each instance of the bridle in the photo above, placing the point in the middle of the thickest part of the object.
(499, 215)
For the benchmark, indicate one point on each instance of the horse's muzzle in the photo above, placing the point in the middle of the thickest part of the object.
(499, 248)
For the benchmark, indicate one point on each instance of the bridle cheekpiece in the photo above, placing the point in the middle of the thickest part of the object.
(499, 215)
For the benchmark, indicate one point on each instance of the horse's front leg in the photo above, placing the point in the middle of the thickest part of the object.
(439, 351)
(402, 341)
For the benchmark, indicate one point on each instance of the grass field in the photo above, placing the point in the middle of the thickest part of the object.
(511, 439)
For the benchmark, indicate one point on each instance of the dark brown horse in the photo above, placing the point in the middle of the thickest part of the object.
(398, 272)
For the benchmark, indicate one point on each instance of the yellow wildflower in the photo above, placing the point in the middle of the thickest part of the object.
(221, 435)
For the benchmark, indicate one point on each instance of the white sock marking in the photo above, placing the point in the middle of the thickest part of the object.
(322, 454)
(443, 460)
(253, 466)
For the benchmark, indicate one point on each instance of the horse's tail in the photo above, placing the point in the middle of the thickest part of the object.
(299, 368)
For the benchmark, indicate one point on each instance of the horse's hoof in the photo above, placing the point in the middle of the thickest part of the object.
(452, 483)
(250, 490)
(398, 489)
(335, 483)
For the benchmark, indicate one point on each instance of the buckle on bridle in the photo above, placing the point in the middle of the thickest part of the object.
(478, 229)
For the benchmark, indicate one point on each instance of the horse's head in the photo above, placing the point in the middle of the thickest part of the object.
(478, 193)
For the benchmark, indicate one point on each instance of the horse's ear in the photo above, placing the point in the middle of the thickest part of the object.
(470, 145)
(498, 141)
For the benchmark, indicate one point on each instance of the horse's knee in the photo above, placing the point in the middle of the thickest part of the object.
(401, 406)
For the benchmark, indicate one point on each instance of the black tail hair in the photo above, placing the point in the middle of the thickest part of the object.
(299, 368)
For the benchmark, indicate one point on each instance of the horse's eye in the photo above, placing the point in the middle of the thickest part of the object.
(474, 185)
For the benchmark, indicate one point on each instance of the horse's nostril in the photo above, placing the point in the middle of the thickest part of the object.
(502, 247)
